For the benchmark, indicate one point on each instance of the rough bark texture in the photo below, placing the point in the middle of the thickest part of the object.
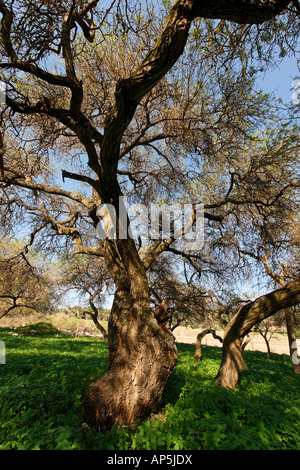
(140, 361)
(232, 363)
(200, 336)
(248, 316)
(141, 353)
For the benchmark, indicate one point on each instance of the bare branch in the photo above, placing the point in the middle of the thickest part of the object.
(25, 182)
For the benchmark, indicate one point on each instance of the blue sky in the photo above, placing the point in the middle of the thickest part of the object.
(279, 80)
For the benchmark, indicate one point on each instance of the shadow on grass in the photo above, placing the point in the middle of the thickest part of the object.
(57, 361)
(261, 413)
(44, 379)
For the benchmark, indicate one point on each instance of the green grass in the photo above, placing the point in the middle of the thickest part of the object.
(44, 378)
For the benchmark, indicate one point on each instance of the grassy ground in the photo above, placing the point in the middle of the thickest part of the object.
(66, 323)
(46, 374)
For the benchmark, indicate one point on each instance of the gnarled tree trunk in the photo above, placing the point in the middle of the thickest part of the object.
(141, 356)
(248, 316)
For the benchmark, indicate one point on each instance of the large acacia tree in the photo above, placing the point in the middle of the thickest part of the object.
(43, 47)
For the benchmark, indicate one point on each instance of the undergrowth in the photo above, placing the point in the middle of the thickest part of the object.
(46, 375)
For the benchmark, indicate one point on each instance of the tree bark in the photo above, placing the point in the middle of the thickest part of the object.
(141, 354)
(289, 317)
(248, 316)
(200, 336)
(232, 363)
(141, 358)
(240, 11)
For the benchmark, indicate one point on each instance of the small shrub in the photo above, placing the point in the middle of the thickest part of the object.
(37, 329)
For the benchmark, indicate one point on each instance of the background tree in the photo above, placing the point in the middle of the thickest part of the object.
(248, 316)
(266, 330)
(82, 275)
(272, 240)
(26, 283)
(188, 302)
(200, 336)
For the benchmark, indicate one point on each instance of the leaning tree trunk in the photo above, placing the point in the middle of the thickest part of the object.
(94, 317)
(200, 336)
(248, 316)
(141, 358)
(99, 326)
